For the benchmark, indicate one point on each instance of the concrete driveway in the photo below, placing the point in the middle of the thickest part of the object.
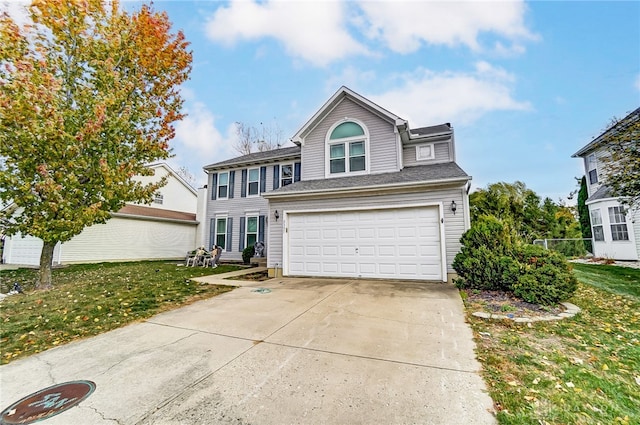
(310, 351)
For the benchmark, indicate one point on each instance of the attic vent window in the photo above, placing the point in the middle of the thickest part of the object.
(424, 152)
(158, 198)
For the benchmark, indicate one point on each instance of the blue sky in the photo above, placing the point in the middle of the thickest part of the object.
(524, 84)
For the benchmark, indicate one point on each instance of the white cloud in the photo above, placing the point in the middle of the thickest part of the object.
(320, 32)
(198, 142)
(314, 31)
(426, 97)
(405, 26)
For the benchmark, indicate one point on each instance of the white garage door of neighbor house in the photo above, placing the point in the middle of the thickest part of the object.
(399, 243)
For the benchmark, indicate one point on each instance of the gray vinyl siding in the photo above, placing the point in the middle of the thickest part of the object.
(237, 207)
(382, 141)
(442, 152)
(454, 223)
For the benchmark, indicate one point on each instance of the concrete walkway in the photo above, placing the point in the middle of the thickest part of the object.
(284, 351)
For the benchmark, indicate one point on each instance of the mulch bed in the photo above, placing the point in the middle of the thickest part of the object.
(508, 304)
(257, 277)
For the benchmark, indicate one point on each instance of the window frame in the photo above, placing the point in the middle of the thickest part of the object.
(223, 234)
(256, 182)
(618, 224)
(282, 178)
(246, 228)
(596, 223)
(347, 142)
(219, 186)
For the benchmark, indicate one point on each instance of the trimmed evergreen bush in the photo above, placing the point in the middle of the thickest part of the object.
(247, 253)
(545, 276)
(486, 260)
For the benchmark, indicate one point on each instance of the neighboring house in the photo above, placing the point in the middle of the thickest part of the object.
(615, 227)
(361, 195)
(163, 230)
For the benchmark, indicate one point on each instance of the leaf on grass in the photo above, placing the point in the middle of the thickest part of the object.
(604, 367)
(570, 384)
(637, 378)
(513, 383)
(536, 381)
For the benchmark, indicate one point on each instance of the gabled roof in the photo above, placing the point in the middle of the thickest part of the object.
(633, 116)
(424, 174)
(342, 93)
(174, 174)
(257, 158)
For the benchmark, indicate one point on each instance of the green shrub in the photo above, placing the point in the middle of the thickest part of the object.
(247, 253)
(491, 259)
(545, 276)
(485, 260)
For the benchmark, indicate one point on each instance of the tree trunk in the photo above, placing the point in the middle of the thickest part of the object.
(46, 259)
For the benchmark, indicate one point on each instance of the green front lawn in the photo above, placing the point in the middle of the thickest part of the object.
(584, 370)
(89, 299)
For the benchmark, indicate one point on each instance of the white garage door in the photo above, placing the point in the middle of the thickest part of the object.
(401, 243)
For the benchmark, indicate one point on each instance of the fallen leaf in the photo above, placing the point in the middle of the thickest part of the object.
(604, 367)
(536, 381)
(570, 384)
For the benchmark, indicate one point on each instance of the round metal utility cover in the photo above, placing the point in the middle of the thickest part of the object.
(47, 402)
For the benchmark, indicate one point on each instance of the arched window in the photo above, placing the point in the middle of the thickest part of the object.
(347, 147)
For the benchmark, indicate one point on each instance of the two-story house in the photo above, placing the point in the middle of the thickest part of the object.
(360, 195)
(615, 228)
(236, 210)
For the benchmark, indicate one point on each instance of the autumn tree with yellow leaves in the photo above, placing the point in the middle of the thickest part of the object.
(88, 96)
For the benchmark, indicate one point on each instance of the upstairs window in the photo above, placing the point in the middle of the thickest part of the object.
(591, 168)
(347, 147)
(223, 185)
(618, 223)
(253, 183)
(286, 174)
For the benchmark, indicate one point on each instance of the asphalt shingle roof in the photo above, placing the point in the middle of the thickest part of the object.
(603, 192)
(434, 129)
(416, 174)
(138, 210)
(257, 157)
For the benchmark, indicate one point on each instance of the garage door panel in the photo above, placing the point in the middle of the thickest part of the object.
(313, 251)
(367, 251)
(387, 243)
(313, 235)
